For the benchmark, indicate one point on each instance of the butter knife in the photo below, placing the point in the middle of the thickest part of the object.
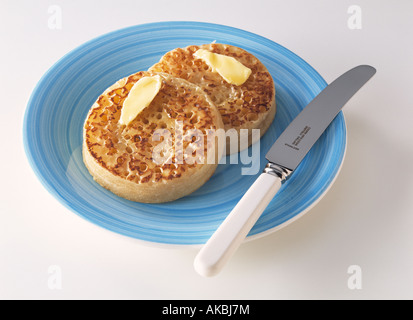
(283, 158)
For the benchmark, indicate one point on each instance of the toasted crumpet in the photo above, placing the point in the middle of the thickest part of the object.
(247, 106)
(121, 157)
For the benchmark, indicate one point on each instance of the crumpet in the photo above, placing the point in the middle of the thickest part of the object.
(156, 157)
(250, 105)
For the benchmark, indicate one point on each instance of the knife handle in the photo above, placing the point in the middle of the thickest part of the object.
(231, 233)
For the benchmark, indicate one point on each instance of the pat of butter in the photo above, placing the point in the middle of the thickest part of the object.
(140, 96)
(229, 68)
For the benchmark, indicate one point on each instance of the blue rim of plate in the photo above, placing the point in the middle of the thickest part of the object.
(52, 136)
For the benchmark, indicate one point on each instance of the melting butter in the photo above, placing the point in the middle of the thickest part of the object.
(229, 68)
(140, 96)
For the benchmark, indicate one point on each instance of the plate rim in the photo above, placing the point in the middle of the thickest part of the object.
(184, 24)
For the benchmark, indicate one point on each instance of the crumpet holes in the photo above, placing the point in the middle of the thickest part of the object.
(252, 117)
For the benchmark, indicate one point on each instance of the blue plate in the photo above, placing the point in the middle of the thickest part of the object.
(59, 104)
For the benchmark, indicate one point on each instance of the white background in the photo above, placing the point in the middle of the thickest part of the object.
(366, 218)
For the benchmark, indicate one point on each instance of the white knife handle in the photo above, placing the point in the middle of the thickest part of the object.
(224, 242)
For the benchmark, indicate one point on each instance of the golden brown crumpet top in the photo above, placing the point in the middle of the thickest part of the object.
(116, 153)
(250, 105)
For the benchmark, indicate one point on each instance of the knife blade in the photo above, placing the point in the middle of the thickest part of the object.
(284, 157)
